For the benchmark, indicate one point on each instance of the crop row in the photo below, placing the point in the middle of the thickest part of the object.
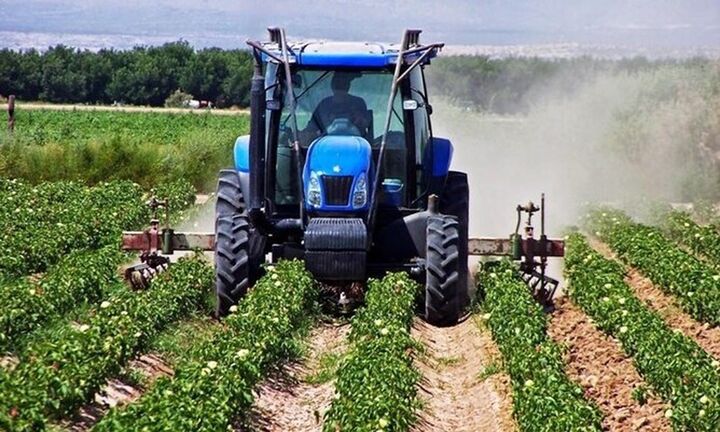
(81, 276)
(58, 373)
(376, 385)
(679, 370)
(210, 390)
(695, 284)
(544, 398)
(702, 240)
(40, 224)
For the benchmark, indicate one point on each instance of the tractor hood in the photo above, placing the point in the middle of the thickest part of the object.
(337, 174)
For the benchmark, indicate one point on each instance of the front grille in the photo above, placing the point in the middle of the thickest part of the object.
(337, 189)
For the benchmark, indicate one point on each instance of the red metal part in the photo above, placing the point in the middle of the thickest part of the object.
(146, 240)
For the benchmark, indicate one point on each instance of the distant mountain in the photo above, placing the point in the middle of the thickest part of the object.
(227, 23)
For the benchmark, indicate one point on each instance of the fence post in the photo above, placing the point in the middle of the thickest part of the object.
(11, 113)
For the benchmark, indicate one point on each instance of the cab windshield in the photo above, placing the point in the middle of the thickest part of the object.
(342, 102)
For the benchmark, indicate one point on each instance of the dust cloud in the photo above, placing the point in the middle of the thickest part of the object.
(566, 146)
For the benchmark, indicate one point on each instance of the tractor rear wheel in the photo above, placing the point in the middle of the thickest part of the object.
(455, 201)
(231, 261)
(442, 282)
(230, 200)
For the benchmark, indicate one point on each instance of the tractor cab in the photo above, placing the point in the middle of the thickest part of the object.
(336, 114)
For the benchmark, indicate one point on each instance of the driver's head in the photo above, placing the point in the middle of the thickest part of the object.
(340, 83)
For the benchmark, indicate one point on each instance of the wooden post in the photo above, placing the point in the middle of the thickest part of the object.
(11, 113)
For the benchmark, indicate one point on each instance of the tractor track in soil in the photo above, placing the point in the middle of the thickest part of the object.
(455, 395)
(608, 377)
(116, 392)
(288, 400)
(706, 336)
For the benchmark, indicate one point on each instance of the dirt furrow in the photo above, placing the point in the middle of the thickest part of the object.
(597, 363)
(119, 391)
(666, 306)
(463, 387)
(295, 397)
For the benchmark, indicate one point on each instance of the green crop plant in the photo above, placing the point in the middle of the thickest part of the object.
(695, 284)
(377, 382)
(215, 384)
(673, 364)
(702, 240)
(55, 375)
(544, 398)
(80, 277)
(42, 223)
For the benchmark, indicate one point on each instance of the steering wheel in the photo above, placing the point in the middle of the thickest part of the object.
(343, 126)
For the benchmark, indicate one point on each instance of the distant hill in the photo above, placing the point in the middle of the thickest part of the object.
(640, 24)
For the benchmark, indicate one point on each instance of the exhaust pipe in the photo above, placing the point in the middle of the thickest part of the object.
(257, 137)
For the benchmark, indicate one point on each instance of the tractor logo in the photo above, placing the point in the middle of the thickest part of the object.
(337, 169)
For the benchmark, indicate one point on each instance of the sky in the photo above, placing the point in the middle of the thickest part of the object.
(227, 23)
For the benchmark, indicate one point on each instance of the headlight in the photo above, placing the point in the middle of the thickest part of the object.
(313, 191)
(359, 196)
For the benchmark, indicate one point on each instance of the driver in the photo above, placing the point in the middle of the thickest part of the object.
(340, 105)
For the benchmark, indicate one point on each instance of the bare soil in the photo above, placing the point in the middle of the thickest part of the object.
(117, 392)
(288, 400)
(597, 363)
(463, 387)
(666, 306)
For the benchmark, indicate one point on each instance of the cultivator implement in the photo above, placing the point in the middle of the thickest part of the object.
(157, 244)
(529, 252)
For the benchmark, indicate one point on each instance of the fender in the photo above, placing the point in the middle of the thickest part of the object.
(241, 152)
(436, 163)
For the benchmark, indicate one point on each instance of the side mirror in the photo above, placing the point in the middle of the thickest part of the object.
(437, 157)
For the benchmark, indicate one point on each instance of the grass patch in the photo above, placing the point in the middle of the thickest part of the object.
(450, 360)
(177, 343)
(490, 370)
(326, 371)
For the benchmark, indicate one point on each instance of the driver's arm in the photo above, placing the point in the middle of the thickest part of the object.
(359, 114)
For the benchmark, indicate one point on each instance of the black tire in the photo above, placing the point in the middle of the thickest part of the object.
(231, 203)
(230, 200)
(442, 278)
(455, 201)
(231, 261)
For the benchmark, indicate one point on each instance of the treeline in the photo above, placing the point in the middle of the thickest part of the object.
(512, 85)
(149, 75)
(141, 76)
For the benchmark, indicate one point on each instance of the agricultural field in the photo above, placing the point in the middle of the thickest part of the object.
(100, 145)
(631, 344)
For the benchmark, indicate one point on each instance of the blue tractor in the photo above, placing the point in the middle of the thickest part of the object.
(341, 169)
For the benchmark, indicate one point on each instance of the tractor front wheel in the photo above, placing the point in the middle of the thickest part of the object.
(240, 248)
(442, 285)
(231, 261)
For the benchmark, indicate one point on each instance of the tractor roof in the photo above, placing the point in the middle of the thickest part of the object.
(344, 54)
